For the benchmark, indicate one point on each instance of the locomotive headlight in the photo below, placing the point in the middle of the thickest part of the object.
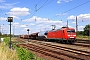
(68, 35)
(74, 35)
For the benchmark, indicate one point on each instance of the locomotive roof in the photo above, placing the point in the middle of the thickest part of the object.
(62, 28)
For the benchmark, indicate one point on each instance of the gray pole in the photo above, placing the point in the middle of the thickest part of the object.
(67, 23)
(10, 19)
(89, 32)
(76, 24)
(28, 35)
(0, 33)
(10, 37)
(0, 28)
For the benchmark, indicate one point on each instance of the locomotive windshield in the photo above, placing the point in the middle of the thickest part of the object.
(73, 31)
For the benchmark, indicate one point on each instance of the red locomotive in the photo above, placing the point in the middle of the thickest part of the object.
(65, 35)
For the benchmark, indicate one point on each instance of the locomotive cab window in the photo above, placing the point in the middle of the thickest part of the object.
(69, 31)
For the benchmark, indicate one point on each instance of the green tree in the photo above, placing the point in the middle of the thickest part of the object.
(80, 33)
(87, 30)
(0, 33)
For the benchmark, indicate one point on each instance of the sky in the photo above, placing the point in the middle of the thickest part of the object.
(40, 15)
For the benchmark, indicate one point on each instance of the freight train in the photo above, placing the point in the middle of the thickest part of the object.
(64, 35)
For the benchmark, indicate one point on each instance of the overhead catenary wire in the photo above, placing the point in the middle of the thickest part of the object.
(73, 8)
(36, 4)
(61, 7)
(35, 9)
(67, 10)
(44, 4)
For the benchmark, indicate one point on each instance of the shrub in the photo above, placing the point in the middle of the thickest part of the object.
(6, 40)
(24, 54)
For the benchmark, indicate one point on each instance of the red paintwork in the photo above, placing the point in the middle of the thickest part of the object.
(61, 33)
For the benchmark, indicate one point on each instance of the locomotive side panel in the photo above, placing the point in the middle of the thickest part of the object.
(58, 34)
(64, 34)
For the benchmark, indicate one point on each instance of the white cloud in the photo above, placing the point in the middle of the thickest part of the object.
(25, 29)
(61, 14)
(60, 1)
(84, 17)
(23, 26)
(16, 24)
(70, 26)
(72, 17)
(80, 28)
(35, 18)
(43, 23)
(80, 17)
(67, 0)
(14, 17)
(39, 21)
(32, 24)
(74, 22)
(17, 11)
(2, 18)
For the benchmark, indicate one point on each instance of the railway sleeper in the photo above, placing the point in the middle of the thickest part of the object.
(74, 52)
(40, 48)
(45, 52)
(69, 49)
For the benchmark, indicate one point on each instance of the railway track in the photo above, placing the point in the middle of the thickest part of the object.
(83, 41)
(57, 52)
(78, 43)
(63, 48)
(44, 51)
(81, 44)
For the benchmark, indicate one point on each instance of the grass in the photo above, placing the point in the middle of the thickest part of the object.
(6, 53)
(18, 53)
(83, 37)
